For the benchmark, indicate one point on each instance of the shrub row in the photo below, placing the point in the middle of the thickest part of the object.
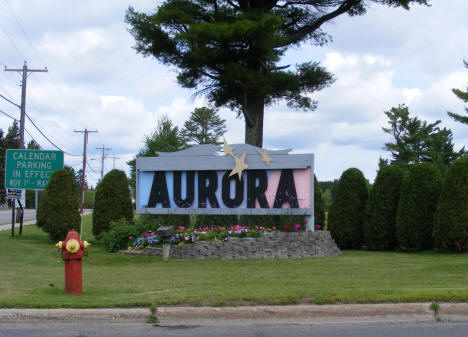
(413, 210)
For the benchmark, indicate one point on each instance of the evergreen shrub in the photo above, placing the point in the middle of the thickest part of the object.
(381, 209)
(58, 209)
(451, 217)
(112, 201)
(420, 192)
(345, 219)
(121, 230)
(319, 212)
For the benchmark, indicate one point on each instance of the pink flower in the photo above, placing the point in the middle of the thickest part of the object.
(152, 233)
(317, 227)
(130, 237)
(145, 234)
(305, 221)
(223, 229)
(181, 228)
(274, 228)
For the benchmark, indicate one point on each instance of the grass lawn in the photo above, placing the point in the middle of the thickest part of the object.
(32, 275)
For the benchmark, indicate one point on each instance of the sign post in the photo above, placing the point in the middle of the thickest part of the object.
(17, 196)
(28, 170)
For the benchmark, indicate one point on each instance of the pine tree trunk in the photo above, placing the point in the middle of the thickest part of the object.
(253, 114)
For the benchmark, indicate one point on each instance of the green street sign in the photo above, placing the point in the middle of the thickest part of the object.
(31, 169)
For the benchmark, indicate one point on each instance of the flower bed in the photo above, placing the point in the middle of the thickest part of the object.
(213, 233)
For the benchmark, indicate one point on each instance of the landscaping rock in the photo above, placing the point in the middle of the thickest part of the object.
(279, 245)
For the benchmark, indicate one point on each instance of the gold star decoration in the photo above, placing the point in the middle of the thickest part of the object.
(265, 157)
(240, 166)
(227, 149)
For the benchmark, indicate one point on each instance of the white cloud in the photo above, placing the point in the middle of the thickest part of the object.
(412, 94)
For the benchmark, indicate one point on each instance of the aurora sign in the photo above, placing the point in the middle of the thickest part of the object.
(240, 179)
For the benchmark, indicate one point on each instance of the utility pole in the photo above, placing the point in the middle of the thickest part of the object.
(104, 149)
(83, 177)
(25, 72)
(113, 160)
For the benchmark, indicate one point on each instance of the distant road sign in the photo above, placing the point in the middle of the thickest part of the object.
(31, 169)
(14, 193)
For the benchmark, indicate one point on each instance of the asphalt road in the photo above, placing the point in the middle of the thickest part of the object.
(110, 329)
(5, 216)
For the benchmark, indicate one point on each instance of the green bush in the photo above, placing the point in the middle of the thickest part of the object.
(112, 201)
(118, 235)
(319, 212)
(381, 209)
(120, 231)
(451, 217)
(58, 209)
(345, 219)
(420, 192)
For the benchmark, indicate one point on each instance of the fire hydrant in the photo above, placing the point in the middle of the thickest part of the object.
(72, 253)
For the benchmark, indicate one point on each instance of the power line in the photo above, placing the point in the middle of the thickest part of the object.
(12, 43)
(91, 168)
(3, 112)
(24, 33)
(31, 136)
(6, 99)
(51, 142)
(52, 78)
(64, 103)
(4, 64)
(75, 164)
(7, 93)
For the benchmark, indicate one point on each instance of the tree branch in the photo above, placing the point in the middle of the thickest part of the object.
(306, 30)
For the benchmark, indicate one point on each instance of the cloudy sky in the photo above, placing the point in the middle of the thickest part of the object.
(97, 81)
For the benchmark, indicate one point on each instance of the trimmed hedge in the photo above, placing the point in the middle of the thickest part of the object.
(420, 192)
(381, 209)
(58, 209)
(319, 212)
(112, 201)
(345, 219)
(451, 217)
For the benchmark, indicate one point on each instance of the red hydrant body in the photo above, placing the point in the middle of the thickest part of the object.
(72, 253)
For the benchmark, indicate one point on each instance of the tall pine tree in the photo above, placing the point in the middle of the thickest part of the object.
(230, 50)
(463, 95)
(204, 126)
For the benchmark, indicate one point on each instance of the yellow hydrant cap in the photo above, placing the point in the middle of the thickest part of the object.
(86, 244)
(73, 246)
(59, 245)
